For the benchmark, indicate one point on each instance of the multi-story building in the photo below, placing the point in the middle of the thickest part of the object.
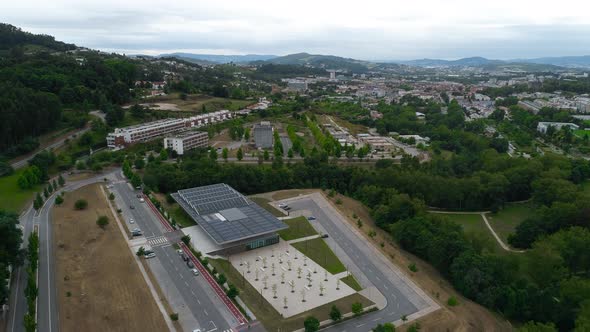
(186, 141)
(543, 126)
(263, 136)
(583, 105)
(123, 137)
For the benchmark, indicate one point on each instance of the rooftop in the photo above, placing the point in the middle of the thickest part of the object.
(225, 214)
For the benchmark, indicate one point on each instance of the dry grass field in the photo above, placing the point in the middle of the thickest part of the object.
(100, 287)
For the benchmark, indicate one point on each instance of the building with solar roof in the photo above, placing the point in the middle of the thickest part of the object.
(227, 221)
(263, 136)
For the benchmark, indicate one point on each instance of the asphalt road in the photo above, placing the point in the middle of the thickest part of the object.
(401, 298)
(205, 306)
(47, 315)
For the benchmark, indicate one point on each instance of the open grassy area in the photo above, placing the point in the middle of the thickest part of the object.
(180, 216)
(318, 251)
(263, 202)
(476, 230)
(581, 133)
(12, 198)
(298, 227)
(200, 103)
(269, 317)
(505, 221)
(351, 281)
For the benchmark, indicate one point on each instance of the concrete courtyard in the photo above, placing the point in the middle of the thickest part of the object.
(291, 282)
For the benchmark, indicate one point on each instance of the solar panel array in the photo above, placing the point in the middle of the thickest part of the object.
(202, 203)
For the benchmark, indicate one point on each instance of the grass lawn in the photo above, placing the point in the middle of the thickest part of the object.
(298, 227)
(263, 202)
(269, 317)
(318, 251)
(581, 133)
(476, 230)
(198, 102)
(351, 281)
(12, 198)
(505, 221)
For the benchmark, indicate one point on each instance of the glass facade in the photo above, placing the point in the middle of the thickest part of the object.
(263, 242)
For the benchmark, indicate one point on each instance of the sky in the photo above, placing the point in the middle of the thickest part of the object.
(367, 29)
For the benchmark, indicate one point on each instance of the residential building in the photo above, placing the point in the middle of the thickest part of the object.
(186, 141)
(583, 105)
(543, 126)
(123, 137)
(263, 136)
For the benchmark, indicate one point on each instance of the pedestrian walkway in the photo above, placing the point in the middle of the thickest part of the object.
(157, 241)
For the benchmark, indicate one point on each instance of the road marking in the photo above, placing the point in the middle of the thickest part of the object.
(360, 325)
(199, 302)
(377, 278)
(16, 298)
(206, 313)
(193, 293)
(391, 313)
(386, 288)
(186, 283)
(377, 319)
(181, 277)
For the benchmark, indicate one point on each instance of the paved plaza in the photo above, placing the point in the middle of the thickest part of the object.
(291, 282)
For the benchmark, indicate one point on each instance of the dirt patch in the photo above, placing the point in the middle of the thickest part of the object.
(100, 287)
(467, 316)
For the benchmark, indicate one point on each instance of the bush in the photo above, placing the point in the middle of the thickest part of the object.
(111, 196)
(81, 204)
(59, 200)
(452, 301)
(221, 279)
(311, 324)
(413, 267)
(335, 314)
(140, 252)
(186, 239)
(357, 308)
(174, 317)
(102, 221)
(232, 292)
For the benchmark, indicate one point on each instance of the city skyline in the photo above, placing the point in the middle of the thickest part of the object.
(378, 30)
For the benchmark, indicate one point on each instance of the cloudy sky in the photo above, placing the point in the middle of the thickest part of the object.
(367, 29)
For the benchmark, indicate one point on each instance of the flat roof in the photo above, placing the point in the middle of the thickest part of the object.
(225, 214)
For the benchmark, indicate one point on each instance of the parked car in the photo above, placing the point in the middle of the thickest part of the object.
(179, 251)
(150, 255)
(142, 200)
(324, 236)
(195, 272)
(131, 207)
(190, 264)
(138, 195)
(184, 257)
(281, 205)
(285, 207)
(136, 233)
(310, 218)
(131, 221)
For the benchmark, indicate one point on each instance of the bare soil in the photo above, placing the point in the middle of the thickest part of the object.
(467, 316)
(99, 285)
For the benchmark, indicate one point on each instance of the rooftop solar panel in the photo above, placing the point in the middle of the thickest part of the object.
(243, 218)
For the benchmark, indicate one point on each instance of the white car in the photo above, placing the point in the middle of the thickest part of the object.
(131, 221)
(150, 255)
(195, 272)
(179, 251)
(142, 200)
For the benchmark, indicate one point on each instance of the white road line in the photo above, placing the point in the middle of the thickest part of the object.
(360, 325)
(391, 313)
(377, 319)
(206, 313)
(186, 283)
(181, 277)
(199, 302)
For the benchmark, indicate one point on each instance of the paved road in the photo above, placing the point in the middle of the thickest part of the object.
(48, 319)
(205, 307)
(23, 162)
(402, 298)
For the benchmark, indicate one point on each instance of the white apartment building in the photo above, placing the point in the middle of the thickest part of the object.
(187, 141)
(543, 126)
(123, 137)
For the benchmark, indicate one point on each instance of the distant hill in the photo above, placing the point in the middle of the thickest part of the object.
(471, 62)
(323, 61)
(215, 58)
(11, 36)
(562, 61)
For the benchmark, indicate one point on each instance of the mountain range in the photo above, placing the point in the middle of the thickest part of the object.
(355, 65)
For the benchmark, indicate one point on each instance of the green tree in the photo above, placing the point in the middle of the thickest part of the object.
(213, 154)
(38, 202)
(135, 180)
(232, 292)
(266, 155)
(54, 183)
(224, 154)
(102, 221)
(240, 154)
(140, 252)
(81, 204)
(163, 154)
(139, 163)
(221, 279)
(50, 188)
(387, 327)
(111, 196)
(45, 193)
(59, 200)
(290, 153)
(335, 314)
(311, 324)
(186, 239)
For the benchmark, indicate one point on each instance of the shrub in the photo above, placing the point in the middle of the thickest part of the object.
(335, 314)
(186, 239)
(59, 200)
(81, 204)
(102, 221)
(452, 301)
(174, 317)
(311, 324)
(413, 267)
(357, 308)
(232, 292)
(140, 251)
(111, 196)
(221, 279)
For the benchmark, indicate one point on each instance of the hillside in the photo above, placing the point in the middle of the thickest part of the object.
(11, 36)
(215, 58)
(323, 61)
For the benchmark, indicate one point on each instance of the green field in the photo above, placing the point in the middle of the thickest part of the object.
(318, 251)
(181, 218)
(298, 227)
(476, 231)
(269, 317)
(505, 221)
(264, 203)
(582, 133)
(352, 282)
(12, 198)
